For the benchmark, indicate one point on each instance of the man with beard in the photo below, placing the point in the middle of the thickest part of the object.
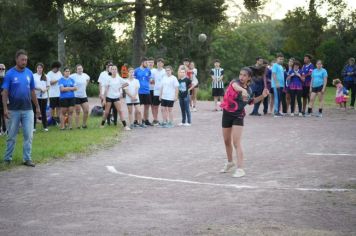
(19, 89)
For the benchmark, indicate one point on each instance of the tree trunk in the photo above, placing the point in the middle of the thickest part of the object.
(60, 22)
(139, 47)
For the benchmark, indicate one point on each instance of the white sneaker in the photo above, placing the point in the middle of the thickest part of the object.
(127, 128)
(187, 124)
(34, 130)
(227, 167)
(292, 114)
(45, 130)
(300, 114)
(180, 124)
(194, 109)
(238, 173)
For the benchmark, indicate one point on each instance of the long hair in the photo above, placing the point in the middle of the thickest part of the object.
(43, 77)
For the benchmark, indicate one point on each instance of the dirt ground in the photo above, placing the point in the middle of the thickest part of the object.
(159, 181)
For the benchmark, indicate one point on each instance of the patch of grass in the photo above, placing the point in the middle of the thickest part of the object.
(93, 89)
(58, 144)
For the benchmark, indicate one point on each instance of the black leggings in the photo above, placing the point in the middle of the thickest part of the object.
(2, 120)
(293, 95)
(42, 102)
(350, 85)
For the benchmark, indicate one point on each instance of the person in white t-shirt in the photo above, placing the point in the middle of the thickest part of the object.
(133, 100)
(168, 95)
(42, 85)
(157, 75)
(54, 76)
(103, 78)
(112, 96)
(81, 100)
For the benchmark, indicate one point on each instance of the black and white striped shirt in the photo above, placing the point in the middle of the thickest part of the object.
(217, 73)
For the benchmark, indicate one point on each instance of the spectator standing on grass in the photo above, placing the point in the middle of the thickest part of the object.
(81, 80)
(295, 81)
(157, 75)
(42, 86)
(19, 89)
(349, 74)
(317, 88)
(67, 87)
(103, 78)
(183, 94)
(217, 76)
(278, 83)
(237, 96)
(143, 75)
(54, 76)
(2, 117)
(168, 95)
(307, 70)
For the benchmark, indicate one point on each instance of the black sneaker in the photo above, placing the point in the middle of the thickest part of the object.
(29, 163)
(148, 123)
(7, 162)
(84, 126)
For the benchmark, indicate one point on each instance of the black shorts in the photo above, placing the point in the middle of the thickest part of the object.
(167, 103)
(79, 101)
(112, 100)
(151, 94)
(218, 92)
(145, 99)
(229, 120)
(67, 102)
(54, 102)
(156, 101)
(306, 91)
(317, 89)
(132, 104)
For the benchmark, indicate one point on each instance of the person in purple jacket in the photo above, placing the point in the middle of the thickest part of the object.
(295, 81)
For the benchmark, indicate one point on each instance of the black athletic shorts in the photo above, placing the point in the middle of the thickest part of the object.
(67, 102)
(79, 101)
(132, 104)
(151, 94)
(229, 120)
(156, 101)
(145, 99)
(54, 102)
(217, 92)
(317, 89)
(306, 91)
(112, 100)
(167, 103)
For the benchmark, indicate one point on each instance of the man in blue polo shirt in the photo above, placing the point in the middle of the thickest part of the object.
(143, 75)
(19, 89)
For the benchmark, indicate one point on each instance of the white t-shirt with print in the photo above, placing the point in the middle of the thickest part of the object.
(40, 84)
(103, 78)
(158, 75)
(54, 88)
(132, 89)
(81, 81)
(114, 87)
(169, 85)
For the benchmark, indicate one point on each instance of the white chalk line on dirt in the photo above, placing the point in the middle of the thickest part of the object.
(331, 154)
(113, 170)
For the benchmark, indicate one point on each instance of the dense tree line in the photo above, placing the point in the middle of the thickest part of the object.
(81, 31)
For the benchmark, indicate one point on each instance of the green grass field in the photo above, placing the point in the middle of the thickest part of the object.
(57, 144)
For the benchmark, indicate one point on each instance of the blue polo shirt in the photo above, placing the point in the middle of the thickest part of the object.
(19, 85)
(278, 70)
(143, 76)
(66, 82)
(318, 77)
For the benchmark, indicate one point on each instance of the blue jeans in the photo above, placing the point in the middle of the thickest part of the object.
(185, 109)
(277, 94)
(25, 118)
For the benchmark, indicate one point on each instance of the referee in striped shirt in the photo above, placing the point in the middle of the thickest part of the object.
(217, 75)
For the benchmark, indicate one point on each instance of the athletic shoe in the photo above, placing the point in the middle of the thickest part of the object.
(137, 126)
(180, 124)
(300, 114)
(84, 126)
(29, 163)
(170, 125)
(187, 124)
(143, 125)
(292, 114)
(163, 125)
(194, 109)
(238, 173)
(227, 167)
(155, 122)
(320, 115)
(277, 115)
(34, 130)
(132, 126)
(45, 130)
(127, 128)
(308, 114)
(7, 162)
(148, 123)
